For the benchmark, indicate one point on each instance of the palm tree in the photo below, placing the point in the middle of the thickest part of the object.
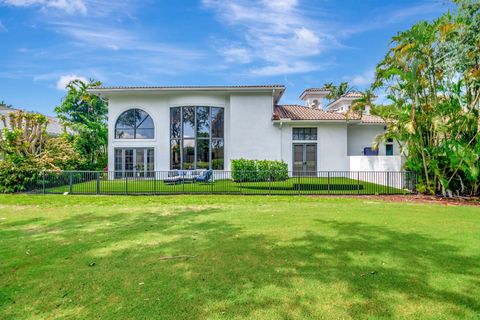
(337, 91)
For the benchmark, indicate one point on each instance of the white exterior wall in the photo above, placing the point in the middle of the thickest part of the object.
(252, 134)
(362, 136)
(375, 163)
(158, 107)
(249, 131)
(331, 145)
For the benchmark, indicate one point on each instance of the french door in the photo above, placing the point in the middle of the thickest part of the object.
(134, 162)
(304, 159)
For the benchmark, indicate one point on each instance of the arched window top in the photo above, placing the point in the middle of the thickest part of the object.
(134, 124)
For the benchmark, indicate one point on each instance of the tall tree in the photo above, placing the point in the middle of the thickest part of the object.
(337, 91)
(86, 114)
(432, 78)
(23, 135)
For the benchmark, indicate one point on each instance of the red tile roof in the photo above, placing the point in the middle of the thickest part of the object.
(297, 112)
(368, 118)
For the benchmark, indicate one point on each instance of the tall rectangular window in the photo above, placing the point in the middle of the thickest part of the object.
(196, 137)
(175, 154)
(188, 154)
(389, 147)
(188, 122)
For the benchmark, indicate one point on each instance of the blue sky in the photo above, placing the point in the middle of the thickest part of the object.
(299, 43)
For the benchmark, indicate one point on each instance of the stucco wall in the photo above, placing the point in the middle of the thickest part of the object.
(331, 145)
(375, 163)
(158, 106)
(252, 134)
(362, 136)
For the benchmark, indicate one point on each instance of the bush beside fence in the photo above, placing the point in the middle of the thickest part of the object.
(259, 170)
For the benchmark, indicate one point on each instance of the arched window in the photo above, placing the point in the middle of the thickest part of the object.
(134, 124)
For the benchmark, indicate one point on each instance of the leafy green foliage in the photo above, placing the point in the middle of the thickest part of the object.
(245, 170)
(27, 150)
(23, 136)
(86, 114)
(432, 77)
(336, 91)
(18, 176)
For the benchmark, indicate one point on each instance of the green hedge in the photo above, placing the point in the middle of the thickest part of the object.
(245, 170)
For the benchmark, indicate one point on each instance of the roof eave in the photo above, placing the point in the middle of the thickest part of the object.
(108, 90)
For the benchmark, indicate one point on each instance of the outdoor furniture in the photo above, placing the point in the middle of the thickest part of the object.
(207, 176)
(182, 176)
(173, 177)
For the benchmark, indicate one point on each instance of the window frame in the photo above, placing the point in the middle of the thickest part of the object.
(115, 138)
(304, 134)
(122, 173)
(196, 138)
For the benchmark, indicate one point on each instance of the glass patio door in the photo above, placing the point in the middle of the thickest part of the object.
(304, 159)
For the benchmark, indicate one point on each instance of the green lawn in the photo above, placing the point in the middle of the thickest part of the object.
(101, 257)
(303, 185)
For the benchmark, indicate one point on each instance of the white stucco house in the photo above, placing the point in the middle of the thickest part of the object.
(199, 127)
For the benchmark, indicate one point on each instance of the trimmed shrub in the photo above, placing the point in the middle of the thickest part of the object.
(245, 170)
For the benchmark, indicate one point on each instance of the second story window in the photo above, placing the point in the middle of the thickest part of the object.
(304, 134)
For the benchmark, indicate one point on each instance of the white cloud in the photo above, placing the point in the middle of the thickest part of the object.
(69, 6)
(234, 54)
(66, 79)
(363, 79)
(113, 38)
(277, 33)
(2, 27)
(295, 67)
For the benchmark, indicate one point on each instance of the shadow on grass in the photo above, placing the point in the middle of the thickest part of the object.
(233, 273)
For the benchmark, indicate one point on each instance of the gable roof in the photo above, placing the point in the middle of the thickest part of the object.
(321, 91)
(299, 113)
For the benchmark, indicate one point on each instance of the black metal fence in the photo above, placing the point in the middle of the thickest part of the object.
(222, 182)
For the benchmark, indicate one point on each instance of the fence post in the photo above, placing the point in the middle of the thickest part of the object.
(43, 181)
(298, 185)
(98, 182)
(328, 182)
(241, 182)
(70, 182)
(358, 182)
(388, 182)
(126, 184)
(154, 182)
(269, 183)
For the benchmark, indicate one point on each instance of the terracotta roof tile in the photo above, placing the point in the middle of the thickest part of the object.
(297, 112)
(368, 118)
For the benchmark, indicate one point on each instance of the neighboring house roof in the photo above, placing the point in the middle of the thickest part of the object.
(277, 89)
(321, 91)
(54, 127)
(299, 113)
(346, 97)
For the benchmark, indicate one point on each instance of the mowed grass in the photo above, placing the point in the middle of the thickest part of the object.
(298, 185)
(94, 257)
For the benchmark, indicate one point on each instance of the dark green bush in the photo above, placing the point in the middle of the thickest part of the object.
(18, 177)
(259, 170)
